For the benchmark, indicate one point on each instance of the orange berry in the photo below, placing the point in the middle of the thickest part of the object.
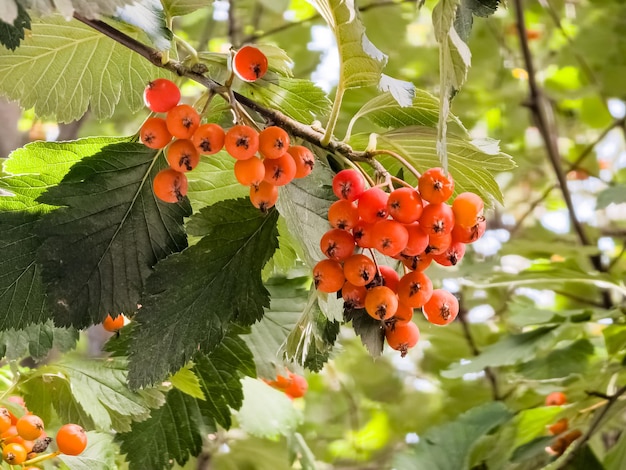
(381, 303)
(208, 139)
(280, 171)
(343, 214)
(452, 255)
(241, 142)
(435, 186)
(416, 263)
(182, 155)
(304, 158)
(161, 95)
(263, 196)
(373, 205)
(442, 308)
(556, 399)
(328, 276)
(182, 121)
(467, 209)
(359, 270)
(348, 184)
(469, 234)
(113, 324)
(402, 336)
(337, 244)
(559, 427)
(362, 233)
(71, 439)
(154, 133)
(390, 237)
(437, 219)
(298, 386)
(29, 427)
(390, 276)
(404, 314)
(417, 241)
(353, 296)
(5, 420)
(273, 142)
(14, 454)
(249, 63)
(249, 172)
(405, 205)
(414, 289)
(170, 185)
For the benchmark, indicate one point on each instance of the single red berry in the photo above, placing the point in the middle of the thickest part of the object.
(249, 63)
(161, 95)
(348, 184)
(435, 186)
(372, 205)
(405, 205)
(402, 336)
(442, 308)
(273, 142)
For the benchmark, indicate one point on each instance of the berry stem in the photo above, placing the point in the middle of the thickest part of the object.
(40, 458)
(398, 157)
(188, 47)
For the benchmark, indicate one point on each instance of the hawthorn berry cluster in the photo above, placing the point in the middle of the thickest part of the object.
(292, 384)
(265, 160)
(23, 439)
(413, 225)
(560, 429)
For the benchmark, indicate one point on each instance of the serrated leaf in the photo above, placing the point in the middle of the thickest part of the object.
(266, 412)
(36, 341)
(98, 250)
(22, 294)
(218, 280)
(472, 164)
(309, 344)
(531, 423)
(285, 258)
(38, 166)
(87, 8)
(183, 7)
(384, 111)
(175, 431)
(449, 446)
(560, 363)
(171, 433)
(220, 373)
(149, 17)
(14, 19)
(368, 329)
(361, 62)
(305, 209)
(187, 382)
(267, 337)
(213, 180)
(612, 195)
(511, 349)
(99, 455)
(68, 62)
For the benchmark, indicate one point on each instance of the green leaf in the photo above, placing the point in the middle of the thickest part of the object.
(449, 446)
(483, 8)
(14, 19)
(472, 164)
(267, 337)
(561, 362)
(148, 16)
(171, 433)
(310, 343)
(70, 63)
(368, 329)
(615, 458)
(98, 251)
(183, 7)
(531, 423)
(90, 9)
(266, 412)
(361, 62)
(286, 258)
(99, 455)
(611, 195)
(615, 338)
(218, 280)
(213, 180)
(39, 166)
(22, 295)
(186, 381)
(176, 430)
(509, 350)
(36, 341)
(253, 453)
(220, 373)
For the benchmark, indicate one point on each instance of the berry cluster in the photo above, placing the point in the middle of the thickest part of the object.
(22, 439)
(413, 225)
(293, 385)
(265, 160)
(560, 429)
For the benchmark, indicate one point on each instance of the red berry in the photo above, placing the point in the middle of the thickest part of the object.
(435, 187)
(437, 219)
(390, 237)
(348, 184)
(405, 205)
(337, 244)
(249, 63)
(359, 270)
(402, 336)
(328, 276)
(343, 214)
(415, 289)
(417, 241)
(381, 303)
(161, 95)
(241, 142)
(390, 276)
(273, 142)
(442, 308)
(373, 205)
(453, 254)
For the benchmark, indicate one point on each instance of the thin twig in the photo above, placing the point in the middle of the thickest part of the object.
(538, 106)
(531, 208)
(489, 373)
(593, 427)
(589, 148)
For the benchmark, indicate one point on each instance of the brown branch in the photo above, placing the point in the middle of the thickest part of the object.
(489, 372)
(539, 108)
(593, 427)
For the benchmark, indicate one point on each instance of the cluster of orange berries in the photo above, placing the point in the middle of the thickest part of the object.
(413, 225)
(563, 439)
(292, 384)
(22, 439)
(265, 160)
